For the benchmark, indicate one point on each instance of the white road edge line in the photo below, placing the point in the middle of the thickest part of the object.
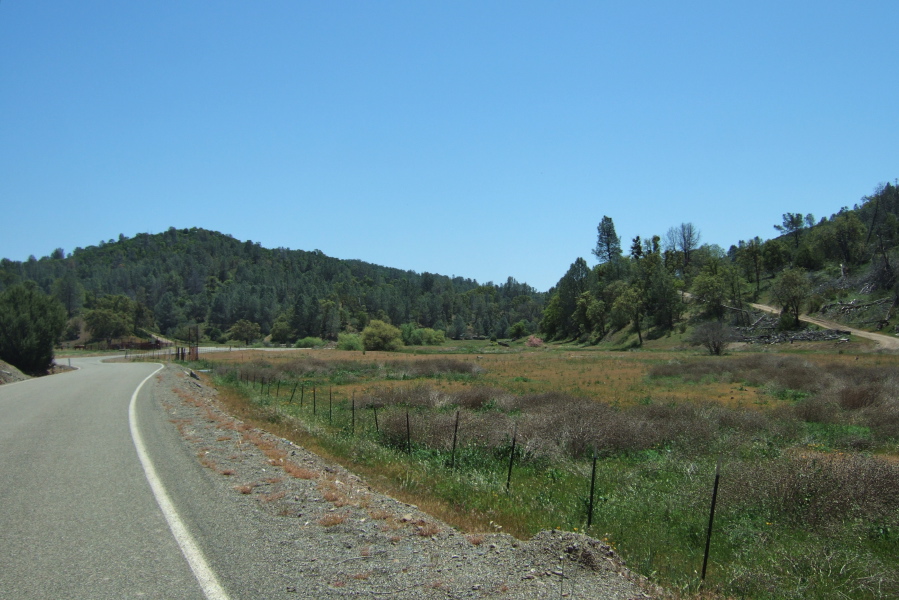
(192, 553)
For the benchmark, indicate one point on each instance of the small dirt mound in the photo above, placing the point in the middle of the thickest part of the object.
(10, 374)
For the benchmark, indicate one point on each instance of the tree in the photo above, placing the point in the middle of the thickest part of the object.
(281, 332)
(379, 335)
(791, 289)
(684, 239)
(68, 290)
(245, 330)
(774, 256)
(848, 233)
(714, 335)
(105, 323)
(519, 329)
(630, 306)
(749, 256)
(551, 323)
(709, 291)
(608, 244)
(575, 282)
(793, 224)
(30, 324)
(168, 313)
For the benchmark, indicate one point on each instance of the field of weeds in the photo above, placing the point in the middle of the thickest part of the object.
(809, 492)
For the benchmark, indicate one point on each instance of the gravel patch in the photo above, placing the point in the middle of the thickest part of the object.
(341, 538)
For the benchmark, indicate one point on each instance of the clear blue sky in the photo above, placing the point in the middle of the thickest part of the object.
(479, 139)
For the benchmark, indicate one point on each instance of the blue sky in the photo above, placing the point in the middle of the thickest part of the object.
(479, 139)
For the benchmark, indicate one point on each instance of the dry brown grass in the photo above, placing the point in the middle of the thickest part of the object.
(427, 529)
(818, 490)
(272, 497)
(332, 519)
(298, 471)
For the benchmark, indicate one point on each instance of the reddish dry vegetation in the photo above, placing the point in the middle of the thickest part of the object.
(332, 519)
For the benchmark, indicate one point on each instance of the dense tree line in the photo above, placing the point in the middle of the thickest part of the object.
(182, 277)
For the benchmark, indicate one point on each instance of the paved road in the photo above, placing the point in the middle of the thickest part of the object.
(78, 518)
(884, 341)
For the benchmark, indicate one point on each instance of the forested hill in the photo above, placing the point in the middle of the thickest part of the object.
(196, 276)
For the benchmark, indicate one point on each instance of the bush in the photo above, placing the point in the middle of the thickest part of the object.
(421, 336)
(714, 335)
(313, 342)
(430, 337)
(519, 329)
(349, 341)
(30, 324)
(381, 336)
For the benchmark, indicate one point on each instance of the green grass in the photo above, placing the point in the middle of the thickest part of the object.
(801, 513)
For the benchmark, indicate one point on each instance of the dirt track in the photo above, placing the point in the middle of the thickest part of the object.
(885, 342)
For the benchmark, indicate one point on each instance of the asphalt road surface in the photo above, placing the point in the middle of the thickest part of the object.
(79, 514)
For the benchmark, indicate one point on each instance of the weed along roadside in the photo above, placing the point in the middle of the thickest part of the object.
(625, 449)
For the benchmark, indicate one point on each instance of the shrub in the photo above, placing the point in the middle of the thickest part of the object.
(714, 335)
(430, 337)
(349, 341)
(421, 336)
(519, 329)
(381, 336)
(313, 342)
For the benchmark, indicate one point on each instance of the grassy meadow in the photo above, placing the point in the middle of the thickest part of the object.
(807, 435)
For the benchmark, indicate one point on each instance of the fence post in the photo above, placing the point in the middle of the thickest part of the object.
(511, 458)
(408, 434)
(592, 489)
(293, 392)
(708, 537)
(455, 437)
(353, 422)
(374, 407)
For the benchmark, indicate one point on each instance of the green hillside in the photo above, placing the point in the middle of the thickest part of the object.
(165, 282)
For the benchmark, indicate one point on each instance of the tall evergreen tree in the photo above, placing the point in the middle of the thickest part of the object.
(608, 244)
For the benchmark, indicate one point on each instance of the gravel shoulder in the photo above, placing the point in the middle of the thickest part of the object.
(335, 536)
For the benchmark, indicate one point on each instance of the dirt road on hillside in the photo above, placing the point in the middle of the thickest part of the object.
(885, 342)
